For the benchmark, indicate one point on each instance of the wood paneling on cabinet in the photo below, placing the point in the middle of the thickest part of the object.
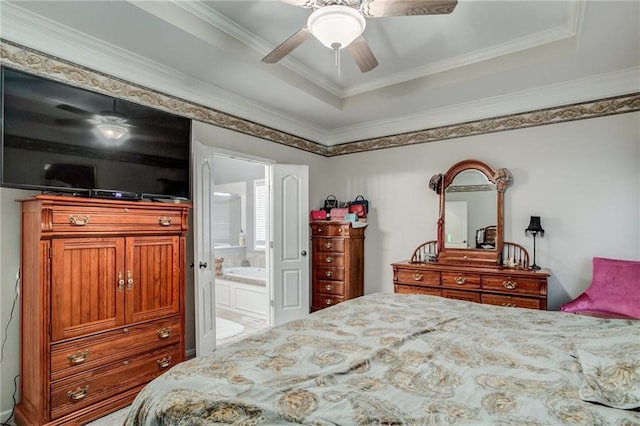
(102, 304)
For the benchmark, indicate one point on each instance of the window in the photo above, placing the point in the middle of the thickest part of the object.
(260, 211)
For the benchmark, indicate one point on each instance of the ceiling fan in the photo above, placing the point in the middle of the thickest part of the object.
(339, 24)
(110, 123)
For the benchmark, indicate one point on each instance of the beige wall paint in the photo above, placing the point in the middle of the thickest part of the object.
(582, 178)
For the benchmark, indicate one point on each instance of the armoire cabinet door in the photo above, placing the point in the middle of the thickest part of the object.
(153, 277)
(87, 286)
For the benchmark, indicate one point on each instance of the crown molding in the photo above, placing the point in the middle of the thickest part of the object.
(32, 61)
(576, 91)
(221, 22)
(568, 30)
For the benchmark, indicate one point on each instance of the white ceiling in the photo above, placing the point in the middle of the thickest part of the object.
(487, 58)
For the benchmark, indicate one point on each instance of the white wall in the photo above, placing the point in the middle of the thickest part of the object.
(581, 177)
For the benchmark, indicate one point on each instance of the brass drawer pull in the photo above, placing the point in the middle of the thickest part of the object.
(509, 285)
(328, 302)
(120, 281)
(460, 280)
(339, 229)
(510, 305)
(328, 273)
(164, 221)
(328, 245)
(164, 362)
(417, 277)
(129, 280)
(78, 394)
(163, 333)
(78, 220)
(78, 358)
(328, 287)
(328, 259)
(318, 230)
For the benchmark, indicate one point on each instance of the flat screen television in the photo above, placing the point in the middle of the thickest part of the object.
(61, 138)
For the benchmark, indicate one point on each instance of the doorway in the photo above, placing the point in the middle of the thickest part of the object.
(283, 234)
(242, 284)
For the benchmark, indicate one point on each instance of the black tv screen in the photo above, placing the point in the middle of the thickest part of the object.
(61, 138)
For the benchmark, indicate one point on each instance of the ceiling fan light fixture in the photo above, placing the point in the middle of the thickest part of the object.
(112, 131)
(336, 26)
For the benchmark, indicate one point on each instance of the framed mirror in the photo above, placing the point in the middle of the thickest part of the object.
(471, 219)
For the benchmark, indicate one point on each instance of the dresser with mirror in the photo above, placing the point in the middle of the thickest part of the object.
(470, 260)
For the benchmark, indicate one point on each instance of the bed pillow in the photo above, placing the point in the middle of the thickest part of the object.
(614, 290)
(611, 368)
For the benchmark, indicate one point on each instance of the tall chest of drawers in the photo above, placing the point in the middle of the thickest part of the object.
(102, 304)
(337, 267)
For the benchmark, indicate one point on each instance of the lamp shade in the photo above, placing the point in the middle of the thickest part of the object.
(534, 226)
(336, 26)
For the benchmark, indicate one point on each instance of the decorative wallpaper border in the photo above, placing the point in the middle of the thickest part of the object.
(25, 59)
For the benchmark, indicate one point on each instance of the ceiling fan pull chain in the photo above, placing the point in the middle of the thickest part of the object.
(336, 53)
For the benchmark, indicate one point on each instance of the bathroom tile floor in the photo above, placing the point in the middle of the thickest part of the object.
(251, 325)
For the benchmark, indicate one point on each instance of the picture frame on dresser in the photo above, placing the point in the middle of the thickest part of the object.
(496, 273)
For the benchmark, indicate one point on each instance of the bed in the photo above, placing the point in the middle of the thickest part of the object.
(410, 359)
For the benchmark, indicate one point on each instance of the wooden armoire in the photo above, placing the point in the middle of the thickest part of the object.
(102, 304)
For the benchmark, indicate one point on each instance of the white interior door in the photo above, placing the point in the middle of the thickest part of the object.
(204, 277)
(455, 224)
(290, 242)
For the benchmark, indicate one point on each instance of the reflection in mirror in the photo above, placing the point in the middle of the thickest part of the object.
(470, 212)
(229, 215)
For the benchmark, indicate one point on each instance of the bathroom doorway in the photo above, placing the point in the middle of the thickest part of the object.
(285, 240)
(239, 247)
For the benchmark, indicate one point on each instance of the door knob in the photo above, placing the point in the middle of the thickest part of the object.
(202, 265)
(303, 252)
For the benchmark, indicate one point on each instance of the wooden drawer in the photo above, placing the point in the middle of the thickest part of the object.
(325, 300)
(329, 244)
(329, 229)
(514, 301)
(329, 259)
(414, 289)
(96, 219)
(470, 296)
(329, 273)
(90, 352)
(97, 384)
(417, 277)
(329, 287)
(511, 284)
(460, 279)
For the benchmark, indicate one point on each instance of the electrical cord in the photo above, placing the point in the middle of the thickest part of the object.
(4, 342)
(13, 409)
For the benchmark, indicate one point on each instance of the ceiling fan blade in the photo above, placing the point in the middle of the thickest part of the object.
(380, 8)
(300, 3)
(362, 54)
(75, 122)
(74, 110)
(287, 46)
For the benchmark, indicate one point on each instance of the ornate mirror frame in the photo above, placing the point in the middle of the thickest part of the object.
(471, 256)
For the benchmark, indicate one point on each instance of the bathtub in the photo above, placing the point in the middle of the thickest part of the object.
(251, 274)
(243, 289)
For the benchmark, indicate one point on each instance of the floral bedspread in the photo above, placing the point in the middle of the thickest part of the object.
(395, 359)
